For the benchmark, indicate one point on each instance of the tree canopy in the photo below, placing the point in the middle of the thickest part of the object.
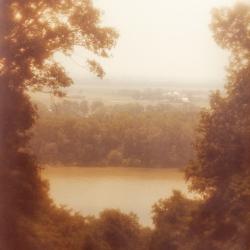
(31, 33)
(220, 170)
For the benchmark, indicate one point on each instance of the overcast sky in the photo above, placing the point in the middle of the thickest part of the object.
(166, 40)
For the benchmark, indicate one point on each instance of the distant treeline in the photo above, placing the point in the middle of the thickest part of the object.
(74, 133)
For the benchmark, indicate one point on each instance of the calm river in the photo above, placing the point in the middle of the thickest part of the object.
(91, 190)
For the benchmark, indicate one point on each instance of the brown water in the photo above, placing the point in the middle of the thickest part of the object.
(91, 190)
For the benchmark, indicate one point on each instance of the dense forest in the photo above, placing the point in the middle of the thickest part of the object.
(72, 133)
(219, 171)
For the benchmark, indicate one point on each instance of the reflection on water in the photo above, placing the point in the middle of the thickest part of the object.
(91, 190)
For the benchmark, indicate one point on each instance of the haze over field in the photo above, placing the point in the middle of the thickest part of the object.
(160, 42)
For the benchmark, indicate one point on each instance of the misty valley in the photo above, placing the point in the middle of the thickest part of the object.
(144, 151)
(125, 156)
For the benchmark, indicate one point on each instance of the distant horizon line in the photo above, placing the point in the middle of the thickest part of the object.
(146, 81)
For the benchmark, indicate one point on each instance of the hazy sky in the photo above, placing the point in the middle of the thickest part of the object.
(166, 40)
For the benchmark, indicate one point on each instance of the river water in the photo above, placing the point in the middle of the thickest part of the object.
(91, 190)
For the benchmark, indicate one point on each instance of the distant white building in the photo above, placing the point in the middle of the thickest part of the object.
(185, 99)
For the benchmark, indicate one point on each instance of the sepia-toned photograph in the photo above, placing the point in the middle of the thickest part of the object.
(124, 124)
